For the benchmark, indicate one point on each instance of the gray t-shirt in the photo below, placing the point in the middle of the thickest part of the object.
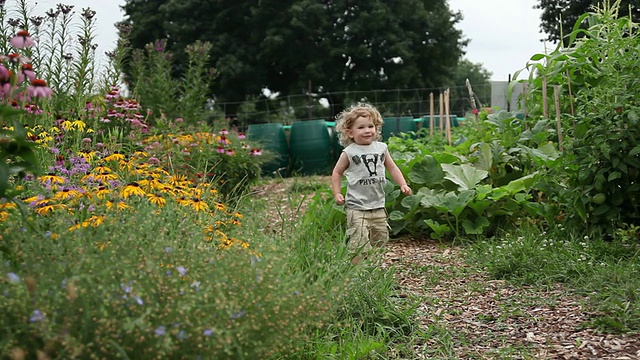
(365, 176)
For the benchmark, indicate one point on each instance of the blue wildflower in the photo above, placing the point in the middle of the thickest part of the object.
(160, 330)
(182, 270)
(13, 278)
(37, 316)
(207, 332)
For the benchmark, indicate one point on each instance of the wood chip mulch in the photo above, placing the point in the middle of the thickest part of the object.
(485, 318)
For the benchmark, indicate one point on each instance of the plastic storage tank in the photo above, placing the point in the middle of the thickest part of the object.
(310, 147)
(273, 139)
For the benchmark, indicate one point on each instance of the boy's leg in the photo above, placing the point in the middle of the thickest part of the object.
(357, 232)
(378, 227)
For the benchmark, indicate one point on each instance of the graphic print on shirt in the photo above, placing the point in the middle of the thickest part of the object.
(370, 162)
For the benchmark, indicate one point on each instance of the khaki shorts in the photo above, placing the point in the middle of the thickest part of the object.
(366, 229)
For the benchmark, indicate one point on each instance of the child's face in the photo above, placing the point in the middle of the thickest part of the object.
(363, 131)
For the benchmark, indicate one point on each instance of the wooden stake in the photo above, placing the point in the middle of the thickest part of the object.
(431, 111)
(571, 99)
(558, 118)
(524, 105)
(447, 116)
(441, 111)
(545, 106)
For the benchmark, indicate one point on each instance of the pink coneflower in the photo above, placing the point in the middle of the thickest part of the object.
(223, 140)
(230, 152)
(220, 150)
(26, 70)
(39, 88)
(255, 152)
(179, 120)
(22, 40)
(224, 131)
(241, 136)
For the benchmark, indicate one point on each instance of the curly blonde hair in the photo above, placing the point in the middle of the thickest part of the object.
(345, 120)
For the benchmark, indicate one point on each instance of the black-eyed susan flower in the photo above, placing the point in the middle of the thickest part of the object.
(114, 157)
(156, 199)
(102, 192)
(119, 205)
(45, 209)
(66, 194)
(199, 205)
(184, 201)
(51, 178)
(219, 206)
(104, 177)
(132, 189)
(238, 215)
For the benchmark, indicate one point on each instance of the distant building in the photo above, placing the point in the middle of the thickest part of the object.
(499, 98)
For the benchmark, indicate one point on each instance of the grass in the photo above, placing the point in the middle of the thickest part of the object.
(606, 273)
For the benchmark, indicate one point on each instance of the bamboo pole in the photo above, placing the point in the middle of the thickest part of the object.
(447, 107)
(571, 99)
(524, 105)
(558, 118)
(545, 106)
(472, 99)
(441, 103)
(570, 94)
(431, 111)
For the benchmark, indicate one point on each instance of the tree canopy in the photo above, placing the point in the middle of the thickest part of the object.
(285, 45)
(559, 16)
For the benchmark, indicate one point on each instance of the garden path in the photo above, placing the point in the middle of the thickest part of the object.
(484, 318)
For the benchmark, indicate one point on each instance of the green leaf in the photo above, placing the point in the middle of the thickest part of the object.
(521, 184)
(427, 172)
(439, 230)
(396, 215)
(476, 227)
(635, 151)
(614, 175)
(465, 175)
(455, 203)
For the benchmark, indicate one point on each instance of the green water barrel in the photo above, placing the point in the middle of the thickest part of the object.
(436, 121)
(310, 146)
(271, 138)
(396, 125)
(336, 148)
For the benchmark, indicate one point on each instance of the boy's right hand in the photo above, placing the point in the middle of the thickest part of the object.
(339, 199)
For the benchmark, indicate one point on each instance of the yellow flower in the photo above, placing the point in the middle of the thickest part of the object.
(66, 194)
(219, 206)
(102, 177)
(11, 205)
(102, 192)
(114, 157)
(51, 178)
(120, 205)
(79, 124)
(87, 155)
(199, 205)
(66, 125)
(157, 199)
(4, 215)
(45, 209)
(238, 215)
(132, 189)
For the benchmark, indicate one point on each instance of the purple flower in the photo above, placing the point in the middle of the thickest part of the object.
(207, 332)
(181, 270)
(22, 40)
(13, 278)
(238, 315)
(37, 316)
(160, 330)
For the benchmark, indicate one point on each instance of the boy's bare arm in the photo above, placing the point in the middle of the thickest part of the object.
(336, 178)
(396, 174)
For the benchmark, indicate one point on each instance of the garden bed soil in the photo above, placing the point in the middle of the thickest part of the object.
(485, 318)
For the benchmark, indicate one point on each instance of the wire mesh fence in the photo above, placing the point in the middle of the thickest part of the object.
(396, 102)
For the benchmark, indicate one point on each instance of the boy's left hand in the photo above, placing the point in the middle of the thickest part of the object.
(406, 190)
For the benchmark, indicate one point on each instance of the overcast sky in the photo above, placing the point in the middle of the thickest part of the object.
(504, 34)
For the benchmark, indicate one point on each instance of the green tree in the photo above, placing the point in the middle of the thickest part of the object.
(559, 16)
(479, 77)
(285, 45)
